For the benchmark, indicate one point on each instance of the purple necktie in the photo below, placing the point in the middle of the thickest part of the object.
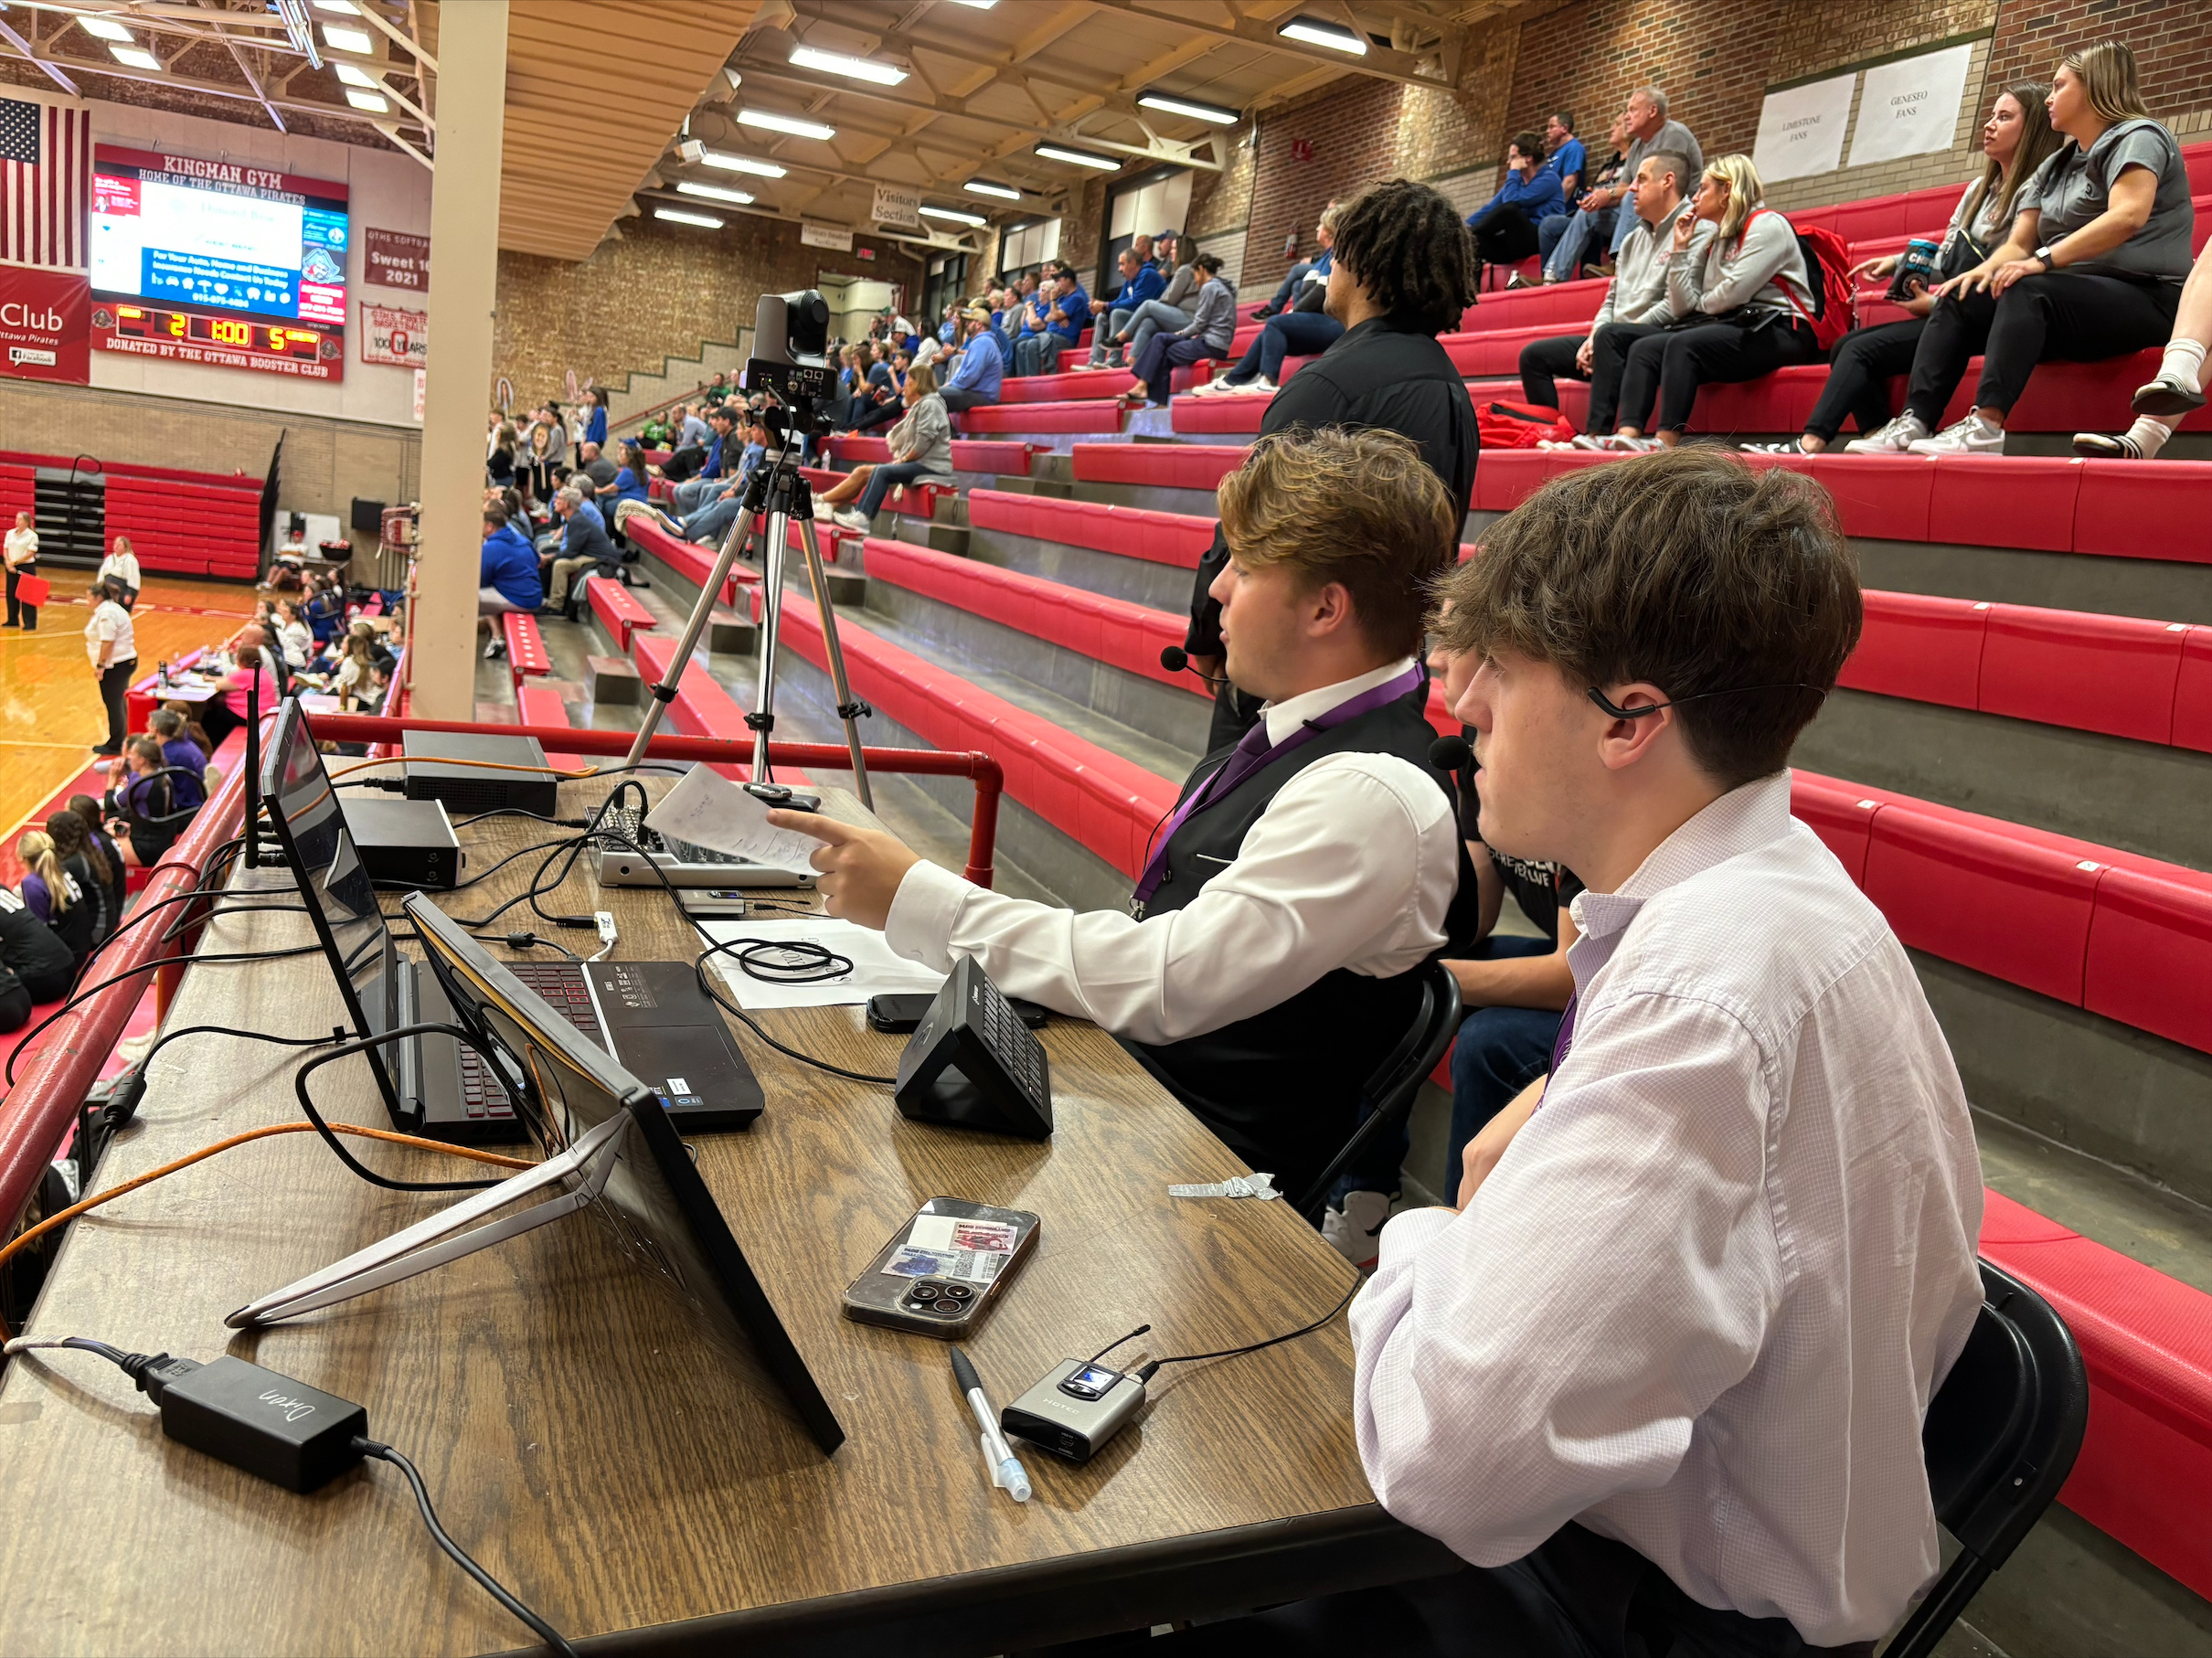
(1253, 751)
(1564, 1043)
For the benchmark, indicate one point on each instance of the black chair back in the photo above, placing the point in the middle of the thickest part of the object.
(2000, 1439)
(135, 782)
(1389, 1093)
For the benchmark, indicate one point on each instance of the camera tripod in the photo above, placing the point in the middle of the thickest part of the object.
(781, 493)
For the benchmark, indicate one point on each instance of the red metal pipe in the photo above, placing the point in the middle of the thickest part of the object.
(989, 779)
(68, 1055)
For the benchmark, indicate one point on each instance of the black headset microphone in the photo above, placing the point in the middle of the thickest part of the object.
(1176, 660)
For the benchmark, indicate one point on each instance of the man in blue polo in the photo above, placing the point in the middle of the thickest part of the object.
(978, 371)
(507, 575)
(1066, 315)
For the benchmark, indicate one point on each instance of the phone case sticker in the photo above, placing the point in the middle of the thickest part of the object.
(970, 1265)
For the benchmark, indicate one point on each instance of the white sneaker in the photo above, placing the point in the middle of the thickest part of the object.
(1618, 445)
(1586, 441)
(852, 519)
(1891, 438)
(1260, 386)
(1213, 389)
(1971, 436)
(1351, 1230)
(1791, 448)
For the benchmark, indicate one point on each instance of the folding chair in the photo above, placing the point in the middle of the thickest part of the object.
(1389, 1093)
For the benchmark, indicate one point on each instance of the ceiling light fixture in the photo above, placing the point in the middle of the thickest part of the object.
(705, 221)
(135, 56)
(954, 214)
(983, 186)
(740, 164)
(1314, 32)
(348, 39)
(978, 5)
(1173, 105)
(104, 28)
(372, 103)
(712, 192)
(837, 63)
(1052, 152)
(354, 77)
(347, 7)
(785, 124)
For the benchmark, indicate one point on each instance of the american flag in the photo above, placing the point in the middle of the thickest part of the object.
(46, 181)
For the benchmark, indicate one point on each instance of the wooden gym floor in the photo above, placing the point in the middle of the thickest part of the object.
(50, 703)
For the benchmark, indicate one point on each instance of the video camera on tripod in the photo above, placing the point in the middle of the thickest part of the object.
(791, 357)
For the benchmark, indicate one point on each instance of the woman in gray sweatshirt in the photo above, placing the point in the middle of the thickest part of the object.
(1744, 306)
(921, 453)
(1212, 326)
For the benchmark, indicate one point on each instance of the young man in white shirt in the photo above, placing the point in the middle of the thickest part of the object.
(1268, 965)
(1660, 1377)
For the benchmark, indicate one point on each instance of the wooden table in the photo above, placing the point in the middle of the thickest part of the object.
(596, 1454)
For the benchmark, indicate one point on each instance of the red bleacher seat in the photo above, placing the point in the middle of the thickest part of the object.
(1570, 303)
(695, 563)
(1065, 387)
(525, 645)
(920, 500)
(1161, 537)
(1917, 645)
(2128, 506)
(1162, 465)
(2193, 692)
(701, 708)
(2111, 674)
(542, 706)
(1840, 814)
(1095, 415)
(618, 613)
(2150, 954)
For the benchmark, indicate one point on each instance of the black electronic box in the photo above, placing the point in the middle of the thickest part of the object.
(974, 1064)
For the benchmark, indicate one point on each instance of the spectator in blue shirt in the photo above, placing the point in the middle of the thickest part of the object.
(506, 574)
(693, 490)
(1065, 318)
(979, 371)
(584, 550)
(631, 484)
(1568, 163)
(1141, 280)
(595, 416)
(1005, 317)
(1505, 227)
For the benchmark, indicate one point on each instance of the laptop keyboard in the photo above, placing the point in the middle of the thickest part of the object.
(561, 984)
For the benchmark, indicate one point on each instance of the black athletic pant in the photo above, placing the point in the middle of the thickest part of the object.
(2073, 316)
(1506, 237)
(18, 613)
(114, 681)
(216, 719)
(1860, 371)
(1541, 360)
(882, 414)
(958, 399)
(1672, 364)
(15, 1008)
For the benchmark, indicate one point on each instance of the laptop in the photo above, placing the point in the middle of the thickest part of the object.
(654, 1017)
(680, 861)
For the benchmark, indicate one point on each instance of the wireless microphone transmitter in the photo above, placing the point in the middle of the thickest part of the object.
(1076, 1410)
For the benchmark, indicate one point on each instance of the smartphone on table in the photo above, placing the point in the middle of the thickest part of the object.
(944, 1269)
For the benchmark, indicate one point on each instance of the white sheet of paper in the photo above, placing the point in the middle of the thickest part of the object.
(708, 810)
(875, 971)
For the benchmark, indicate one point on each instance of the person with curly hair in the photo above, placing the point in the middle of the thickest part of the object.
(1404, 270)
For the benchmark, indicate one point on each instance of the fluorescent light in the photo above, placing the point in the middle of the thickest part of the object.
(740, 164)
(983, 186)
(703, 220)
(348, 39)
(104, 28)
(135, 56)
(352, 76)
(980, 6)
(837, 63)
(785, 124)
(1184, 106)
(712, 192)
(372, 102)
(954, 214)
(1052, 152)
(347, 7)
(1315, 33)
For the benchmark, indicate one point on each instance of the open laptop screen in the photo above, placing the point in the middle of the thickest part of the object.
(660, 1211)
(341, 899)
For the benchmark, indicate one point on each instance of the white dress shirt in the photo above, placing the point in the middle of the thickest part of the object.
(108, 631)
(1352, 864)
(1701, 1303)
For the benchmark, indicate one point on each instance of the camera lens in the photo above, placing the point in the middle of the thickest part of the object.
(959, 1291)
(947, 1306)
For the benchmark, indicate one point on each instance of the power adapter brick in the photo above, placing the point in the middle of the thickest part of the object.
(272, 1425)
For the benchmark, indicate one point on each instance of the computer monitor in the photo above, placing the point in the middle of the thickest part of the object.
(340, 898)
(660, 1211)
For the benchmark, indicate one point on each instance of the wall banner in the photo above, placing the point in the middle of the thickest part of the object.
(399, 337)
(394, 258)
(897, 207)
(1910, 107)
(1801, 129)
(46, 324)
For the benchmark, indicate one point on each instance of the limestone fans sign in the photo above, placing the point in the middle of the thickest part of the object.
(46, 176)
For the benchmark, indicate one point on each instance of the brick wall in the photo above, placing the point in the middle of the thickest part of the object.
(1351, 126)
(662, 291)
(1221, 207)
(2171, 41)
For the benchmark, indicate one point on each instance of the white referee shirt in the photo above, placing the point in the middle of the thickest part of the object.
(1353, 864)
(1702, 1301)
(109, 629)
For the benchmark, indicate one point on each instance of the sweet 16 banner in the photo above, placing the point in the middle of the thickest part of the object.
(45, 186)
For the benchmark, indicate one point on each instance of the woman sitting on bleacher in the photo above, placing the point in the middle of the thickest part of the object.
(2094, 267)
(1741, 306)
(52, 893)
(2017, 138)
(632, 482)
(535, 471)
(141, 805)
(921, 450)
(34, 965)
(1305, 329)
(102, 852)
(83, 862)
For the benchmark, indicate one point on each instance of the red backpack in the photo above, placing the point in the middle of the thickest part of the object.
(1519, 425)
(1828, 274)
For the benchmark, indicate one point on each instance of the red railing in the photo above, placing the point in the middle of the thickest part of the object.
(68, 1055)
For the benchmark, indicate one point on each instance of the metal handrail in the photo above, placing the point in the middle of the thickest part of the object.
(70, 1052)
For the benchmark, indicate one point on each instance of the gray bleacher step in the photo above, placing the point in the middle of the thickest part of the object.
(2141, 797)
(1163, 586)
(2145, 1222)
(1158, 726)
(2160, 589)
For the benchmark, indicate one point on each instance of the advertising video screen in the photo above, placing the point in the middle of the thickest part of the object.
(218, 235)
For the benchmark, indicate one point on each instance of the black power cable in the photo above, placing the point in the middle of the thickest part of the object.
(1146, 1372)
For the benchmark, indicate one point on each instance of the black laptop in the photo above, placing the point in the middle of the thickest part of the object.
(651, 1017)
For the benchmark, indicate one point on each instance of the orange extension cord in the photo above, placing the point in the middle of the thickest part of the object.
(24, 1240)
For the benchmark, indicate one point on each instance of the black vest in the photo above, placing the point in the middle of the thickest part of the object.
(1283, 1088)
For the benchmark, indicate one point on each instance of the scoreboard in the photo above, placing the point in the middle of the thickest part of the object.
(234, 341)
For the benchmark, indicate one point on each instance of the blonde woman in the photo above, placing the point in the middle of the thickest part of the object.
(350, 683)
(921, 450)
(1742, 305)
(51, 893)
(120, 568)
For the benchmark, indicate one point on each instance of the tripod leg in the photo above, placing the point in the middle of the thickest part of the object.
(763, 719)
(850, 709)
(694, 625)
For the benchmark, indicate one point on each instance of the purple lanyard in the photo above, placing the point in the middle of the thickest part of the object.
(1253, 752)
(1564, 1043)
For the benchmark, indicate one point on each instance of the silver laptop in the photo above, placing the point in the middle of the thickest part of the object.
(680, 863)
